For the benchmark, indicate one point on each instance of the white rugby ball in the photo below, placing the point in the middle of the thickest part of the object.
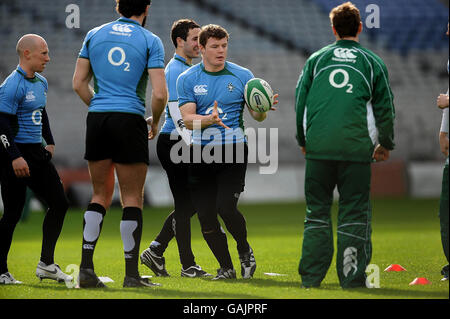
(258, 95)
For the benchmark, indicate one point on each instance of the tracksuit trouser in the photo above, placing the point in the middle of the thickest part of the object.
(443, 211)
(354, 247)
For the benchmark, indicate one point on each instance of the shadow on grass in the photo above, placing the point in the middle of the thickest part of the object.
(396, 293)
(144, 292)
(383, 293)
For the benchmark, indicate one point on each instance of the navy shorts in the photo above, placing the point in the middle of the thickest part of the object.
(121, 137)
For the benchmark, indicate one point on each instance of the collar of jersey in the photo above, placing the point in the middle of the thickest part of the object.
(347, 42)
(24, 74)
(224, 71)
(128, 20)
(181, 59)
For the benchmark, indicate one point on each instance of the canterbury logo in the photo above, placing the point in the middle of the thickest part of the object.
(200, 89)
(125, 28)
(30, 96)
(343, 53)
(350, 260)
(88, 246)
(5, 141)
(181, 125)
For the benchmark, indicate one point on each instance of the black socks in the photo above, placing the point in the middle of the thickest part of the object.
(92, 226)
(131, 232)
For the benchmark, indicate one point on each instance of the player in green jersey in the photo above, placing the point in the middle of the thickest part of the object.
(345, 120)
(442, 103)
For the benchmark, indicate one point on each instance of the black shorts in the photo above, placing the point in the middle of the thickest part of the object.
(216, 188)
(207, 176)
(121, 137)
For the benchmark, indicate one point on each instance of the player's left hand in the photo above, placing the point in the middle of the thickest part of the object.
(275, 102)
(380, 154)
(51, 149)
(442, 101)
(153, 131)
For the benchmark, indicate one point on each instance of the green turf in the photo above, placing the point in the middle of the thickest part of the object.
(405, 232)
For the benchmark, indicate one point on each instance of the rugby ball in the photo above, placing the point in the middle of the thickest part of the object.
(258, 95)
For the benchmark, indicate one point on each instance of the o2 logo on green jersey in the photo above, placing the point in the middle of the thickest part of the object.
(344, 83)
(121, 61)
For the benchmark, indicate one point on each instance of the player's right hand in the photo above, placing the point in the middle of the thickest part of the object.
(442, 101)
(20, 167)
(215, 116)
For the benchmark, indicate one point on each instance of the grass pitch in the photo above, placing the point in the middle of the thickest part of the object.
(405, 232)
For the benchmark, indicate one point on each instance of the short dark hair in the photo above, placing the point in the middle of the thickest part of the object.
(180, 28)
(129, 8)
(212, 31)
(346, 19)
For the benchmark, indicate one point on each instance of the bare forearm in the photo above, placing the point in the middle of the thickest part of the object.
(85, 92)
(204, 120)
(158, 104)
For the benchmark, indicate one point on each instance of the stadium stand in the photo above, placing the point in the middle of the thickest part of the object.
(271, 38)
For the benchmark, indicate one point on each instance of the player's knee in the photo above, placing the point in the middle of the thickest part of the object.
(209, 226)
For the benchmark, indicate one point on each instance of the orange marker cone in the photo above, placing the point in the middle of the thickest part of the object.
(395, 267)
(420, 281)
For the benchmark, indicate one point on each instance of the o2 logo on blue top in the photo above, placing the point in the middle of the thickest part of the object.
(36, 117)
(118, 59)
(219, 109)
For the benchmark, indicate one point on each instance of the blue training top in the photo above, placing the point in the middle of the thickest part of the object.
(120, 52)
(25, 98)
(174, 68)
(196, 85)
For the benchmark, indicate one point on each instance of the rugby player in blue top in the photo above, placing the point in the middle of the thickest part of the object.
(184, 34)
(120, 56)
(211, 100)
(24, 161)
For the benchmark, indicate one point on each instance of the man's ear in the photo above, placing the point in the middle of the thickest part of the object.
(180, 42)
(360, 28)
(27, 54)
(334, 30)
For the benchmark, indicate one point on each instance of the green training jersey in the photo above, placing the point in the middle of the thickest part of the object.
(344, 104)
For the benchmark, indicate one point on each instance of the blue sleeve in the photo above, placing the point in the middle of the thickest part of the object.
(84, 52)
(156, 54)
(248, 76)
(185, 91)
(11, 95)
(172, 74)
